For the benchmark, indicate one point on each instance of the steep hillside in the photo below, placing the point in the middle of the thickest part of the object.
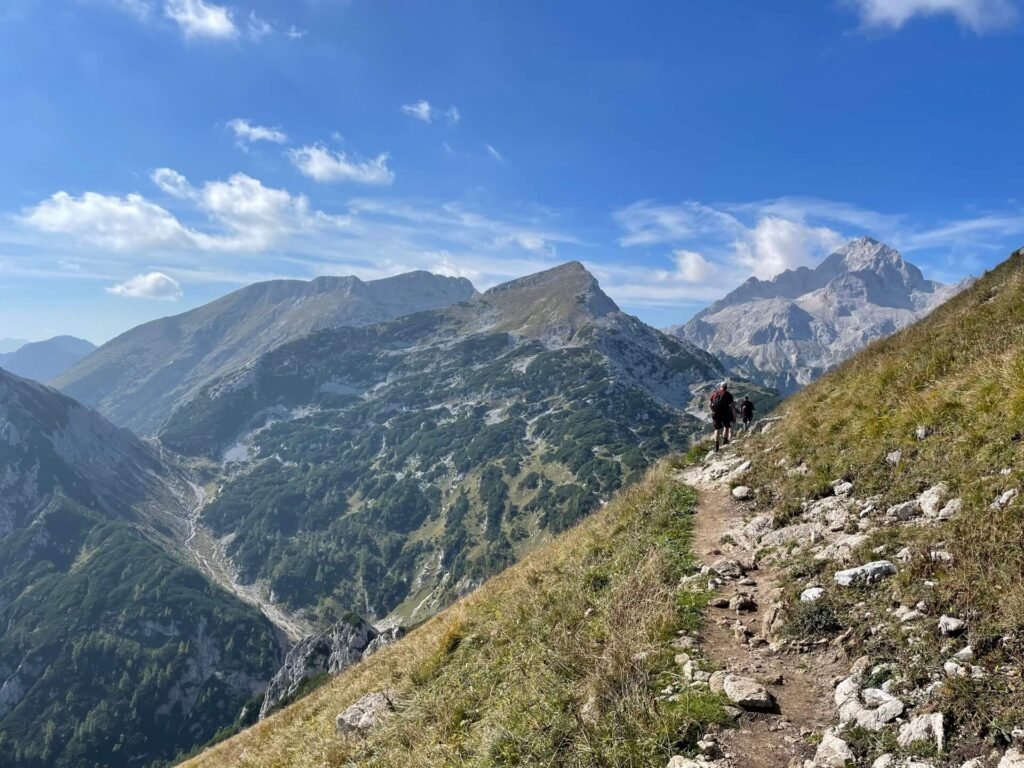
(139, 378)
(906, 464)
(788, 331)
(43, 360)
(115, 651)
(565, 659)
(393, 468)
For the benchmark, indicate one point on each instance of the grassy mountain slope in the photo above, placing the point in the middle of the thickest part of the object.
(115, 651)
(139, 378)
(406, 462)
(558, 661)
(948, 395)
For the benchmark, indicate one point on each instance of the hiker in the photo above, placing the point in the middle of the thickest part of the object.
(723, 413)
(746, 412)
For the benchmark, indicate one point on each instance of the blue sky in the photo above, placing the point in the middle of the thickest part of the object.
(155, 154)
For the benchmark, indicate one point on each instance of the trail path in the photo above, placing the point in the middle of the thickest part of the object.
(801, 683)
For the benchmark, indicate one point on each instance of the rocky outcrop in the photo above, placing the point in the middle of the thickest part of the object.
(326, 653)
(366, 714)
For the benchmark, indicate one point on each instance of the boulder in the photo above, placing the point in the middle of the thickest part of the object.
(884, 761)
(686, 762)
(811, 594)
(951, 510)
(758, 527)
(728, 569)
(804, 533)
(894, 457)
(742, 493)
(923, 432)
(923, 729)
(747, 693)
(843, 488)
(950, 626)
(1013, 758)
(833, 752)
(1005, 499)
(931, 500)
(742, 603)
(908, 510)
(365, 714)
(869, 573)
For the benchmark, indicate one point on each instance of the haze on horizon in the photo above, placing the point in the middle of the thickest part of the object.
(160, 153)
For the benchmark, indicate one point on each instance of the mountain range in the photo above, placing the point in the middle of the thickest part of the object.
(785, 332)
(306, 456)
(391, 468)
(43, 360)
(137, 379)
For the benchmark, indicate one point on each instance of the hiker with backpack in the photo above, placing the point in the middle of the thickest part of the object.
(746, 412)
(723, 413)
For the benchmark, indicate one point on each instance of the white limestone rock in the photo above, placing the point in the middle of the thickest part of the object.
(869, 573)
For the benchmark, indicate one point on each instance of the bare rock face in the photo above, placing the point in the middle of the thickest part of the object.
(788, 331)
(328, 652)
(366, 714)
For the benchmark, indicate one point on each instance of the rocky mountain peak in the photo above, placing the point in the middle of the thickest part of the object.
(566, 290)
(787, 331)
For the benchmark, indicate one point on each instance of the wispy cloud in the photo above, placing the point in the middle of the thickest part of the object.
(326, 166)
(199, 19)
(976, 15)
(249, 133)
(152, 285)
(426, 112)
(494, 153)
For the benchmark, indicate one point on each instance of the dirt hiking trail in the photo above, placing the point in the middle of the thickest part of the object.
(802, 683)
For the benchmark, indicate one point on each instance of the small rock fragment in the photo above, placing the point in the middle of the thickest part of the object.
(811, 594)
(742, 493)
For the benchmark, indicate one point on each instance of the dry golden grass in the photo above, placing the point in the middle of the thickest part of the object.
(558, 661)
(959, 372)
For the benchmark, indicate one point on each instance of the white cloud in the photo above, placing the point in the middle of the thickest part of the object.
(248, 216)
(249, 133)
(691, 267)
(258, 28)
(120, 223)
(647, 223)
(495, 154)
(775, 245)
(172, 182)
(421, 110)
(425, 111)
(294, 33)
(197, 19)
(977, 15)
(152, 285)
(324, 165)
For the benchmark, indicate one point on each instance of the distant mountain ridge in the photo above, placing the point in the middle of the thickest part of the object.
(788, 331)
(43, 360)
(139, 378)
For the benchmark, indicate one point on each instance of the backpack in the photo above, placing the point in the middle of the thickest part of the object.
(717, 398)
